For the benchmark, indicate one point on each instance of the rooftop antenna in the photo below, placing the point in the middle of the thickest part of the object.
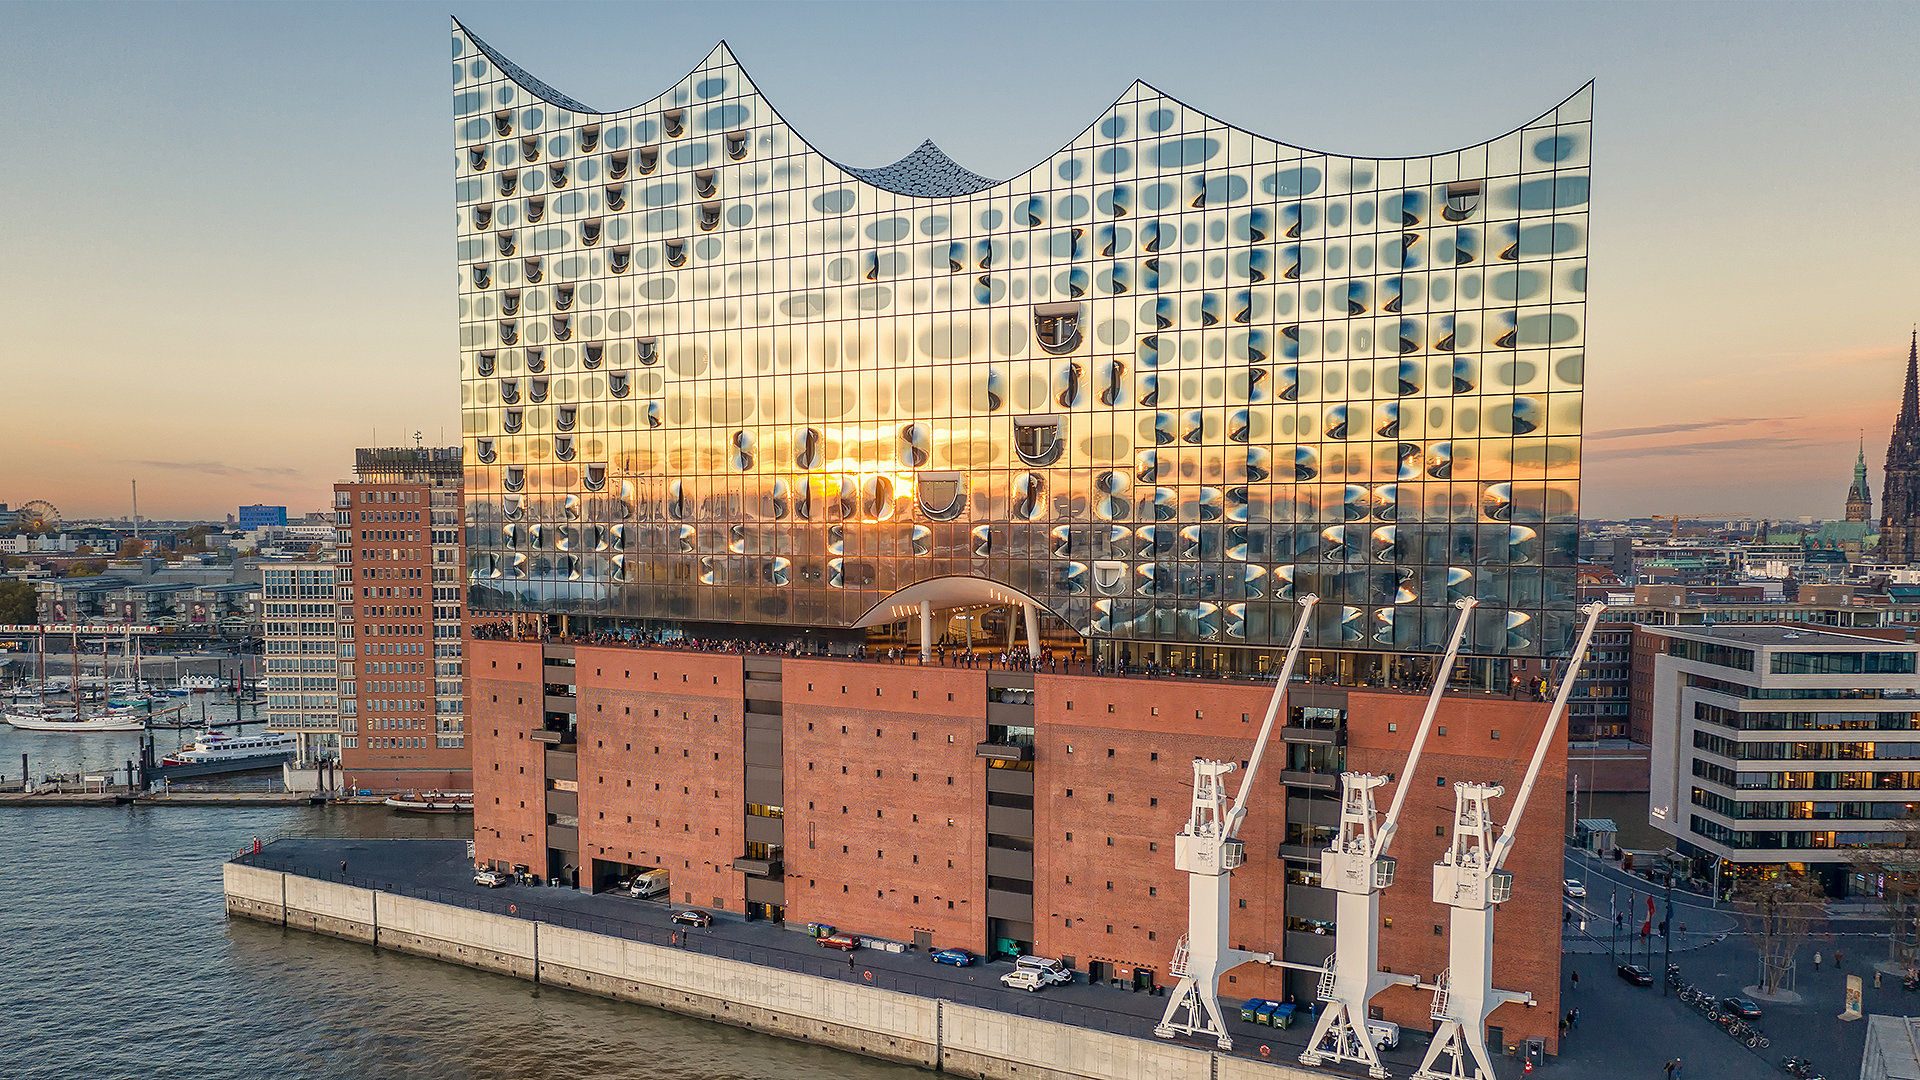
(136, 508)
(416, 440)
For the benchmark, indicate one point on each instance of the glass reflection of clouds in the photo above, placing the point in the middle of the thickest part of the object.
(786, 388)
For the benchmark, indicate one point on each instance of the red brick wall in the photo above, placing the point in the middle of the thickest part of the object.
(900, 789)
(1527, 929)
(1121, 748)
(509, 769)
(660, 736)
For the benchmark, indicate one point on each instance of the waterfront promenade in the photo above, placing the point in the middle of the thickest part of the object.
(438, 872)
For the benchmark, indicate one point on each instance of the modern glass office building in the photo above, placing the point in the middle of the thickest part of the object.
(1155, 386)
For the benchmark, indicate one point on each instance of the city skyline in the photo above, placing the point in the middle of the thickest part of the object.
(199, 360)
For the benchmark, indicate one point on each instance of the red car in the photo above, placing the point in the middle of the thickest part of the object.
(843, 942)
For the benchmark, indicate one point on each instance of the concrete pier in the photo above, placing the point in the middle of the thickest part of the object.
(929, 1032)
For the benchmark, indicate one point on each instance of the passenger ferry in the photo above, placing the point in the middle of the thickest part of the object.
(213, 747)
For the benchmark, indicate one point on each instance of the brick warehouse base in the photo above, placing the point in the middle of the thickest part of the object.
(885, 1024)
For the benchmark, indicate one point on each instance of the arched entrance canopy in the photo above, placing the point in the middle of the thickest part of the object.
(923, 598)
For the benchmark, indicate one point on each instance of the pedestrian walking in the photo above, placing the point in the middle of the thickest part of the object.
(1671, 1066)
(1576, 980)
(1876, 980)
(849, 961)
(343, 868)
(1839, 957)
(1678, 1068)
(1816, 960)
(1576, 1018)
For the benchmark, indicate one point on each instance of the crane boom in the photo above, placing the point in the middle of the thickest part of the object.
(1547, 734)
(1239, 811)
(1466, 605)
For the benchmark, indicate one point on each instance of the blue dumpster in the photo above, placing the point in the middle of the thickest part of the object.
(1250, 1012)
(1282, 1016)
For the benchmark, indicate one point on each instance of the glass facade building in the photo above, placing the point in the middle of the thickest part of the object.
(1158, 385)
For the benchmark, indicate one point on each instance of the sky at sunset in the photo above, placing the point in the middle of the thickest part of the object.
(228, 228)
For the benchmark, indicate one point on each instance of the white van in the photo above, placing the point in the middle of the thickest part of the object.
(1047, 968)
(649, 884)
(1385, 1035)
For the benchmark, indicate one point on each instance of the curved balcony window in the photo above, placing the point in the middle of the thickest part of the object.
(617, 164)
(737, 145)
(674, 122)
(1115, 390)
(536, 360)
(706, 183)
(484, 366)
(537, 389)
(942, 495)
(591, 353)
(1259, 464)
(1057, 327)
(513, 478)
(503, 123)
(590, 232)
(511, 422)
(709, 216)
(1037, 439)
(1070, 380)
(619, 385)
(876, 498)
(1033, 212)
(679, 505)
(477, 158)
(562, 327)
(509, 332)
(563, 447)
(1151, 236)
(508, 181)
(742, 456)
(593, 475)
(557, 174)
(1463, 198)
(483, 215)
(564, 417)
(806, 448)
(510, 302)
(1192, 427)
(483, 449)
(647, 159)
(534, 273)
(618, 259)
(648, 350)
(505, 240)
(562, 297)
(530, 148)
(536, 208)
(510, 391)
(915, 442)
(616, 197)
(1029, 500)
(589, 138)
(482, 275)
(676, 253)
(1149, 390)
(653, 414)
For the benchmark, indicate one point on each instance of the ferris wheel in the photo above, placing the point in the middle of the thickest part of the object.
(39, 515)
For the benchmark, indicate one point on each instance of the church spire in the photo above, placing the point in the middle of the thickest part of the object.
(1910, 401)
(1900, 484)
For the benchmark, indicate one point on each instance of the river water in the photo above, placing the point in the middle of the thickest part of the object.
(117, 962)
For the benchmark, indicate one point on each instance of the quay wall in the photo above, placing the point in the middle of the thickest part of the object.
(927, 1032)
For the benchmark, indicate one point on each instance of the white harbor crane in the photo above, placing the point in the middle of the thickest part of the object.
(1469, 880)
(1208, 849)
(1356, 867)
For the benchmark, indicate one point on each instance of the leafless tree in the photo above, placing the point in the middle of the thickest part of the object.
(1896, 864)
(1780, 913)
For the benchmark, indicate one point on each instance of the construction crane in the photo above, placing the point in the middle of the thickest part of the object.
(1470, 880)
(1208, 850)
(1357, 868)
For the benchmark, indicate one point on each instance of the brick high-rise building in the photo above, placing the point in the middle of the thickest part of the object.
(739, 416)
(401, 528)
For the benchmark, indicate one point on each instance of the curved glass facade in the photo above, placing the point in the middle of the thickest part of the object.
(1160, 383)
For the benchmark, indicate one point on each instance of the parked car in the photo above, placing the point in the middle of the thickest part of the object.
(1023, 979)
(1745, 1008)
(692, 917)
(492, 879)
(1575, 890)
(844, 942)
(1047, 968)
(1636, 974)
(956, 957)
(1385, 1035)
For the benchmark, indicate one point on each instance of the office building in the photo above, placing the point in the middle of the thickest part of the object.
(298, 619)
(258, 516)
(400, 525)
(737, 415)
(1781, 747)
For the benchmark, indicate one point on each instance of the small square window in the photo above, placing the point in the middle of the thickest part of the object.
(1496, 734)
(1439, 830)
(1443, 729)
(1439, 781)
(1392, 728)
(1109, 751)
